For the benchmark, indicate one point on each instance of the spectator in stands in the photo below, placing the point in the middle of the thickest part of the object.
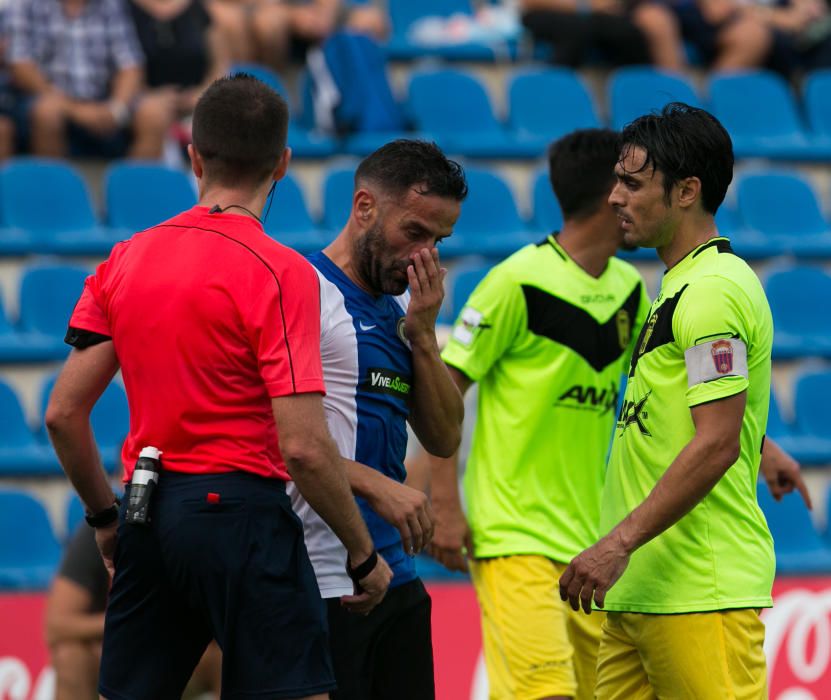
(184, 51)
(284, 30)
(643, 32)
(802, 33)
(79, 65)
(7, 97)
(75, 625)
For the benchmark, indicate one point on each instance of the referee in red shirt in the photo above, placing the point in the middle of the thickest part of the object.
(216, 329)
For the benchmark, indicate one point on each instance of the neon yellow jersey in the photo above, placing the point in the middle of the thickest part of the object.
(708, 337)
(547, 343)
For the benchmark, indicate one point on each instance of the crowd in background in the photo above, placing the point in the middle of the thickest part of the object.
(115, 78)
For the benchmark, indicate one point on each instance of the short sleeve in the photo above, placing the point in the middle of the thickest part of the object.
(90, 312)
(711, 327)
(283, 322)
(488, 325)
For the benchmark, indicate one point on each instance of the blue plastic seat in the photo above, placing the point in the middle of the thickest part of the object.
(49, 201)
(141, 195)
(548, 217)
(798, 297)
(783, 209)
(17, 346)
(338, 188)
(759, 111)
(29, 552)
(638, 90)
(405, 13)
(48, 294)
(818, 102)
(453, 108)
(489, 224)
(262, 73)
(428, 569)
(289, 221)
(547, 104)
(797, 544)
(462, 282)
(21, 454)
(110, 421)
(813, 416)
(74, 514)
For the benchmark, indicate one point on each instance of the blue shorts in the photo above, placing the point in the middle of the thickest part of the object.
(236, 571)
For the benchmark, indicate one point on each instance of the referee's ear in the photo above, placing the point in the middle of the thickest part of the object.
(282, 165)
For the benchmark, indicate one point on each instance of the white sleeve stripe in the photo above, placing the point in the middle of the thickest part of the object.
(726, 357)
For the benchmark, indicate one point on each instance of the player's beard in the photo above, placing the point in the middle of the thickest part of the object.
(377, 265)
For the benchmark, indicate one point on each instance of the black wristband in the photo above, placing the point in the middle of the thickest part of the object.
(362, 570)
(104, 517)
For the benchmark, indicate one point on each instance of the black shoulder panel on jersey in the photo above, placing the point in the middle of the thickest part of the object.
(721, 244)
(657, 331)
(561, 321)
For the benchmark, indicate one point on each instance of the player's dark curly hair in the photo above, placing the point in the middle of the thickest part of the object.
(683, 141)
(581, 167)
(406, 163)
(239, 129)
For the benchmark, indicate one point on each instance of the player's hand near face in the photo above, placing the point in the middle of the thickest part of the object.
(373, 588)
(452, 543)
(593, 572)
(426, 279)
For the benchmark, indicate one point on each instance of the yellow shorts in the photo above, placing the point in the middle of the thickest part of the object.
(535, 644)
(697, 656)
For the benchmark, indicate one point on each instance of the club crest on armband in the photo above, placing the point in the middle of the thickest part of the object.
(722, 352)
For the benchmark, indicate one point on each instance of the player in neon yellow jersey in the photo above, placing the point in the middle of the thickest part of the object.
(687, 559)
(547, 335)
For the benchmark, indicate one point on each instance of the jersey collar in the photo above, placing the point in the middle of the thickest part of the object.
(719, 242)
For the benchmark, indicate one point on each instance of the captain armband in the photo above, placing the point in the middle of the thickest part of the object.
(715, 359)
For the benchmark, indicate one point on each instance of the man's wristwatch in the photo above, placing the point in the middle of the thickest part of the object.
(104, 517)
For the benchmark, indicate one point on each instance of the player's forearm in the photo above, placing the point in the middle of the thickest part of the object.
(364, 481)
(72, 438)
(691, 476)
(75, 627)
(437, 408)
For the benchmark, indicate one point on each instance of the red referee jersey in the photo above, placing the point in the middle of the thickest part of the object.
(209, 319)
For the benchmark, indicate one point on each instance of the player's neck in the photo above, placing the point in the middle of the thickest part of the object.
(339, 252)
(591, 251)
(236, 201)
(691, 233)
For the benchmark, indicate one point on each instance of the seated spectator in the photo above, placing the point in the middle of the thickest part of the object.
(285, 29)
(184, 52)
(728, 34)
(802, 28)
(75, 625)
(7, 96)
(625, 33)
(79, 65)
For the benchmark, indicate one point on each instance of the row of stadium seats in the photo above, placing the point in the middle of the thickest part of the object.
(490, 223)
(29, 559)
(758, 108)
(24, 452)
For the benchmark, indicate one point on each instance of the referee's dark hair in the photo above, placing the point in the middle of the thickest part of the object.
(683, 141)
(581, 167)
(405, 163)
(239, 129)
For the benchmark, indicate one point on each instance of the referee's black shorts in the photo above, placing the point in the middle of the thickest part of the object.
(233, 567)
(388, 654)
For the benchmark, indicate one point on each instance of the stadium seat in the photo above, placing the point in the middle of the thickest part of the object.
(452, 108)
(49, 201)
(759, 111)
(288, 220)
(783, 211)
(29, 552)
(405, 13)
(48, 294)
(812, 416)
(796, 542)
(338, 187)
(16, 346)
(547, 104)
(796, 296)
(141, 195)
(20, 453)
(489, 224)
(263, 74)
(638, 90)
(462, 282)
(548, 217)
(818, 102)
(110, 421)
(428, 569)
